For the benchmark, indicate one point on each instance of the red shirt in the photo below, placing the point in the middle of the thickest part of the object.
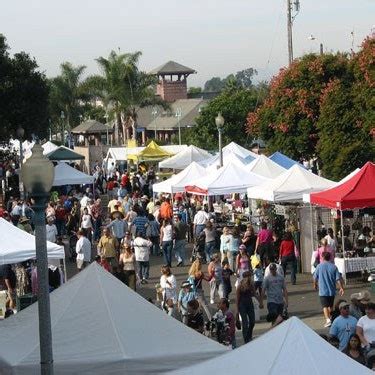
(60, 213)
(110, 185)
(286, 248)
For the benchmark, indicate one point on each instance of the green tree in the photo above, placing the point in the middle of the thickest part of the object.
(67, 94)
(194, 90)
(215, 84)
(124, 89)
(245, 77)
(23, 95)
(234, 105)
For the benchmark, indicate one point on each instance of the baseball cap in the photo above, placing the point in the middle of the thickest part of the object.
(343, 305)
(185, 284)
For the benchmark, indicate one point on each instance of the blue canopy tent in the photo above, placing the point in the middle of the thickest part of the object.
(283, 160)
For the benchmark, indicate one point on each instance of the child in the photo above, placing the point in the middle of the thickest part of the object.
(227, 273)
(258, 277)
(170, 308)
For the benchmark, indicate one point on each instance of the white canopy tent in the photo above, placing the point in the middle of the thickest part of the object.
(231, 178)
(265, 167)
(290, 186)
(185, 157)
(100, 326)
(239, 150)
(213, 163)
(67, 175)
(17, 245)
(178, 182)
(292, 348)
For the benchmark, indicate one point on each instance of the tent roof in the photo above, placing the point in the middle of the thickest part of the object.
(229, 156)
(171, 67)
(283, 160)
(92, 127)
(151, 152)
(290, 186)
(185, 157)
(49, 147)
(231, 178)
(64, 153)
(265, 167)
(100, 326)
(311, 355)
(357, 192)
(17, 245)
(178, 182)
(239, 150)
(67, 175)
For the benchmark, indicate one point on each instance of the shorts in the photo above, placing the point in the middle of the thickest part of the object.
(327, 301)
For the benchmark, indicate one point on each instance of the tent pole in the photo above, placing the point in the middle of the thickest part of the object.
(311, 229)
(65, 273)
(343, 242)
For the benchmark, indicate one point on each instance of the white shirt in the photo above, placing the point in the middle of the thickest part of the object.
(86, 221)
(83, 249)
(201, 217)
(142, 249)
(332, 243)
(368, 326)
(84, 201)
(169, 290)
(167, 233)
(51, 232)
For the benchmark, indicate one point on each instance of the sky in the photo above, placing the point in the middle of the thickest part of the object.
(214, 37)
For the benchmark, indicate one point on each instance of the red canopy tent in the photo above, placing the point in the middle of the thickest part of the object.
(357, 192)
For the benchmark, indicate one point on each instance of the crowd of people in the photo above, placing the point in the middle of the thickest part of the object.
(244, 270)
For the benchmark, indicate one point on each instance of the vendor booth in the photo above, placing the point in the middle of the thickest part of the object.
(283, 160)
(185, 157)
(352, 202)
(153, 152)
(311, 355)
(67, 175)
(100, 326)
(265, 167)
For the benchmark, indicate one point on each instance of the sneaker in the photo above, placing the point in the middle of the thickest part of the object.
(328, 324)
(212, 302)
(179, 264)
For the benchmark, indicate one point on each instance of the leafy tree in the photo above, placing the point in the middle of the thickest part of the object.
(245, 77)
(124, 89)
(67, 94)
(287, 119)
(23, 95)
(234, 104)
(215, 84)
(194, 90)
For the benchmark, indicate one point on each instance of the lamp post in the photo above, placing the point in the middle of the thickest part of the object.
(38, 175)
(106, 116)
(219, 121)
(154, 114)
(62, 116)
(312, 37)
(50, 129)
(178, 115)
(20, 135)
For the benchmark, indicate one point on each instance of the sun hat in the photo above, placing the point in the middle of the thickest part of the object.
(343, 304)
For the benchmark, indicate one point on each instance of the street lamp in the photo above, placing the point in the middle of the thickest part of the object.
(20, 135)
(178, 115)
(106, 116)
(38, 175)
(62, 116)
(312, 37)
(219, 121)
(154, 114)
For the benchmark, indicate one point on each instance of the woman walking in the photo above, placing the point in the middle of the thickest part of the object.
(166, 241)
(209, 240)
(215, 272)
(225, 243)
(245, 307)
(287, 256)
(249, 239)
(168, 285)
(127, 262)
(264, 246)
(242, 262)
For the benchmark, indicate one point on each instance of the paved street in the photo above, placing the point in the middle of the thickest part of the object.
(303, 299)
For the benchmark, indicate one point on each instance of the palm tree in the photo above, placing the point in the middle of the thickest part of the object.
(66, 93)
(124, 89)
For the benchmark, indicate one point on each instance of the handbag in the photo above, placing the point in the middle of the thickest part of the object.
(238, 322)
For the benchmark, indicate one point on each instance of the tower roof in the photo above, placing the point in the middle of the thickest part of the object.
(171, 67)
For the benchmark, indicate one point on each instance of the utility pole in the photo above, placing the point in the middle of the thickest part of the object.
(290, 19)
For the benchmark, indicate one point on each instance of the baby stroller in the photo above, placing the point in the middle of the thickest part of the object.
(198, 249)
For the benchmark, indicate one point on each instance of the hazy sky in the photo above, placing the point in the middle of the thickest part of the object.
(215, 37)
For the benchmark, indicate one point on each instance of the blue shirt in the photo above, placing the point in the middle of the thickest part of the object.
(327, 276)
(140, 224)
(184, 297)
(343, 329)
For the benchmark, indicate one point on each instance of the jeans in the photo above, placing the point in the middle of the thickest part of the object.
(198, 229)
(60, 225)
(179, 250)
(290, 259)
(155, 250)
(97, 226)
(230, 257)
(209, 249)
(216, 286)
(143, 269)
(167, 251)
(246, 310)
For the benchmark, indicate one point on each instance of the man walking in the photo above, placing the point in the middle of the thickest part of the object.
(199, 221)
(142, 256)
(326, 276)
(107, 247)
(83, 250)
(180, 229)
(344, 326)
(277, 295)
(97, 213)
(119, 228)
